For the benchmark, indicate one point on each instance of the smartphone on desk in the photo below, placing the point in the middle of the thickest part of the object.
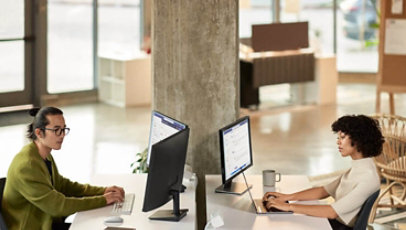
(119, 228)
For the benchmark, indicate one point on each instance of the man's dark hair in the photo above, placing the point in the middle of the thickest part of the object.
(364, 132)
(40, 119)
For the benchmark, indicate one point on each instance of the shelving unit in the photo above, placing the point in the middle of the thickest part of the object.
(125, 81)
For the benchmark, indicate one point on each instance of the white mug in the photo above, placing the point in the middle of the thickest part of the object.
(269, 177)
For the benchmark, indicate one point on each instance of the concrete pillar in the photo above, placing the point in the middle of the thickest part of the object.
(195, 73)
(146, 18)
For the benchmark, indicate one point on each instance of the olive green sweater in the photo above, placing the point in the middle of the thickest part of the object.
(32, 201)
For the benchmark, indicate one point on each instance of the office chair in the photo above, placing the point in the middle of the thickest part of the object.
(391, 163)
(362, 220)
(2, 184)
(2, 222)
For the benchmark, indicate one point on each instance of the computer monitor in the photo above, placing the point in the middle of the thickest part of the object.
(236, 155)
(165, 176)
(162, 127)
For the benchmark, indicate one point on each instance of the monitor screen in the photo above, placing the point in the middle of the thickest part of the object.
(165, 176)
(235, 146)
(162, 127)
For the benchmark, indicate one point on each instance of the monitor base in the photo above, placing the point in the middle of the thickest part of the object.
(235, 188)
(168, 215)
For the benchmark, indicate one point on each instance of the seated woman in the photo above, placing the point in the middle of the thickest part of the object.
(36, 196)
(360, 138)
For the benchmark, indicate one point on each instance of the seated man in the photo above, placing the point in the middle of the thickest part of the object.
(36, 196)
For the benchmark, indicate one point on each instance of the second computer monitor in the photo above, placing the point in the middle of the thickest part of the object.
(165, 175)
(162, 127)
(236, 154)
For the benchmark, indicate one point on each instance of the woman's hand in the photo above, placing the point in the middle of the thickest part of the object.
(276, 203)
(275, 195)
(114, 194)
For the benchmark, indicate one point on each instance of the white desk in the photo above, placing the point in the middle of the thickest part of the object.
(135, 183)
(238, 211)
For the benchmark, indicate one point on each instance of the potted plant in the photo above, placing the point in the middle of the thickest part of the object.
(140, 163)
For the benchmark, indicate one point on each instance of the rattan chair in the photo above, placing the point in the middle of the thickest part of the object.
(391, 163)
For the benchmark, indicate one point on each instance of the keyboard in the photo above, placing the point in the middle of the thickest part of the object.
(124, 208)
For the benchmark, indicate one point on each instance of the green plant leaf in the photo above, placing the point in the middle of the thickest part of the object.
(140, 164)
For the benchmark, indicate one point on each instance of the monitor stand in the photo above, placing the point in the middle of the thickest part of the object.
(237, 188)
(170, 215)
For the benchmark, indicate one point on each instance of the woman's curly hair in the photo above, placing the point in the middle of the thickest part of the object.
(364, 132)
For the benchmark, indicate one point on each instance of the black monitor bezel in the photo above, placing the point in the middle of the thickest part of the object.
(223, 173)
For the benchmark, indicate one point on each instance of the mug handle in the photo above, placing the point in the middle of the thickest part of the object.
(279, 177)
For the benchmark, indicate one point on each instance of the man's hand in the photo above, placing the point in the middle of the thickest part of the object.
(115, 189)
(114, 194)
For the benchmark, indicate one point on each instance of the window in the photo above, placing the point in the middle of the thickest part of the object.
(119, 27)
(357, 39)
(11, 45)
(253, 12)
(11, 66)
(356, 23)
(70, 46)
(321, 32)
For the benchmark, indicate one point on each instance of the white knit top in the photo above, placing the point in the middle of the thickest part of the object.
(353, 188)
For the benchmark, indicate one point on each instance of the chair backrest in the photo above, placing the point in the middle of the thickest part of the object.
(2, 184)
(362, 220)
(3, 225)
(391, 163)
(2, 222)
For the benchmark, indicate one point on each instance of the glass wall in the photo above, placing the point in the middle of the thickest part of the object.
(70, 39)
(253, 12)
(12, 45)
(356, 22)
(118, 27)
(11, 19)
(357, 36)
(70, 46)
(320, 16)
(11, 66)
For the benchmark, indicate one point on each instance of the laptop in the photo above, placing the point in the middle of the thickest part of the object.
(260, 207)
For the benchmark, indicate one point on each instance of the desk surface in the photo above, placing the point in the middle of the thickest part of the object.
(135, 183)
(238, 211)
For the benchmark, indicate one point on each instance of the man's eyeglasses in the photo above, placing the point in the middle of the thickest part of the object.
(59, 131)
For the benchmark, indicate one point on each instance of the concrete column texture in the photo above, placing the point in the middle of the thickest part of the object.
(195, 75)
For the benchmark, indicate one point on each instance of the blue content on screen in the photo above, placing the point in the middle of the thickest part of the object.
(235, 127)
(237, 170)
(171, 123)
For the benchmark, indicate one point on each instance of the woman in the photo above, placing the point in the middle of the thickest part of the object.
(36, 196)
(360, 138)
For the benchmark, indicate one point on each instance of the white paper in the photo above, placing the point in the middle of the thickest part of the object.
(397, 6)
(215, 222)
(395, 37)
